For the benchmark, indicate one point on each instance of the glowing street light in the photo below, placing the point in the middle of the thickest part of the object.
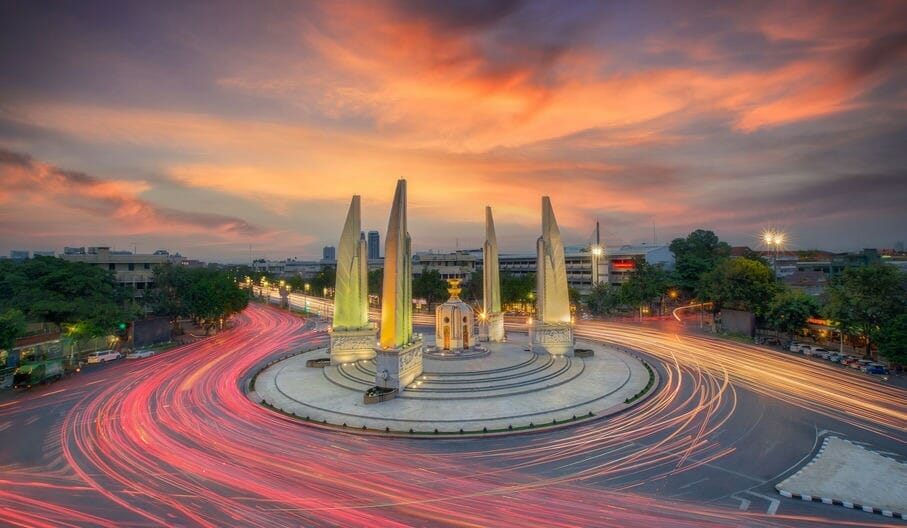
(774, 240)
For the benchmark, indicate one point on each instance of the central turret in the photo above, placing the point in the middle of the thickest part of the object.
(454, 321)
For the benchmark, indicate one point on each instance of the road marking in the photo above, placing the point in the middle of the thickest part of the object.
(773, 503)
(744, 503)
(52, 393)
(32, 420)
(693, 483)
(5, 425)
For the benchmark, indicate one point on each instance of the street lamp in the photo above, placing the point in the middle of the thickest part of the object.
(774, 240)
(597, 252)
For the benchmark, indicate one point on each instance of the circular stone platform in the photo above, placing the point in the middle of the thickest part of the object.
(507, 387)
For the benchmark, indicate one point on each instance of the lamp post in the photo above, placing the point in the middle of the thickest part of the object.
(597, 253)
(774, 240)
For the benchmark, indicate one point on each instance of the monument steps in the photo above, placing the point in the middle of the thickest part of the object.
(537, 372)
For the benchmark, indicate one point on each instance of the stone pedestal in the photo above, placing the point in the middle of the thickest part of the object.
(492, 328)
(395, 368)
(551, 338)
(348, 346)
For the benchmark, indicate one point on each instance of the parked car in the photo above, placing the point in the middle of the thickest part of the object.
(821, 352)
(103, 356)
(834, 357)
(876, 369)
(797, 347)
(859, 364)
(847, 360)
(140, 353)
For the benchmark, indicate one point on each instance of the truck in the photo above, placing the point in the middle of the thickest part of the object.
(39, 372)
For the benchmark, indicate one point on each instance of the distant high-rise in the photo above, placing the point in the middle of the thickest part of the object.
(329, 253)
(374, 245)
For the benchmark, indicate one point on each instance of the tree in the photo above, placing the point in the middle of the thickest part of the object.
(892, 339)
(430, 286)
(65, 293)
(212, 295)
(647, 283)
(574, 296)
(205, 294)
(167, 297)
(12, 326)
(864, 300)
(741, 284)
(700, 252)
(473, 288)
(324, 279)
(376, 282)
(790, 309)
(516, 288)
(603, 299)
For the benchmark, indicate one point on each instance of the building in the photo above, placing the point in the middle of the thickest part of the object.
(135, 270)
(783, 264)
(810, 282)
(274, 267)
(456, 265)
(329, 253)
(374, 245)
(18, 254)
(832, 264)
(615, 266)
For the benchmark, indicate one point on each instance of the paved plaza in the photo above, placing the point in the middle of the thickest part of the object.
(498, 389)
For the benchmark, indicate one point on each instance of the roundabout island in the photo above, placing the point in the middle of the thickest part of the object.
(495, 388)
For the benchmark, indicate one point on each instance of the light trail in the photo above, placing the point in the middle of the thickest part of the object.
(175, 441)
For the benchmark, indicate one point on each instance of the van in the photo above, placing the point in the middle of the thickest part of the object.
(103, 356)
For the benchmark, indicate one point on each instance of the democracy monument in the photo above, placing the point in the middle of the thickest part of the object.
(466, 376)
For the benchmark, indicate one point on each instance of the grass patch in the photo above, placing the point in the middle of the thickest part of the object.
(645, 389)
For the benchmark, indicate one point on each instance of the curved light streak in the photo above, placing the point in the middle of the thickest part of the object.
(175, 441)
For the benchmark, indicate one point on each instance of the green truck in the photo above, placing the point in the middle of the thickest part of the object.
(39, 372)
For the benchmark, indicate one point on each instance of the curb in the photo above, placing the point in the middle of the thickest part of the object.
(837, 502)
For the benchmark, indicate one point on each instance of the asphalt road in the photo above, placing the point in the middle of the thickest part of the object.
(172, 440)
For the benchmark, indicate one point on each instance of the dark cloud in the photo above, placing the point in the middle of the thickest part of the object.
(84, 192)
(880, 54)
(463, 15)
(229, 224)
(15, 158)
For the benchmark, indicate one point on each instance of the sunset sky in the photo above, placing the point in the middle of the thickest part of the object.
(207, 127)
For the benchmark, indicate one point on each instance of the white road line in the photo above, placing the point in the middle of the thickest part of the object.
(693, 483)
(5, 425)
(773, 503)
(744, 503)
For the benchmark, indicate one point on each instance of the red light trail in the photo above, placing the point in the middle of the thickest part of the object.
(175, 441)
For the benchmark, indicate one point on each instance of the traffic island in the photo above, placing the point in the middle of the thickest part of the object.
(506, 391)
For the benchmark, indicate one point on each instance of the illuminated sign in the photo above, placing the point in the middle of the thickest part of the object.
(623, 264)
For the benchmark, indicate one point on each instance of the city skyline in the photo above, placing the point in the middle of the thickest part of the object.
(206, 130)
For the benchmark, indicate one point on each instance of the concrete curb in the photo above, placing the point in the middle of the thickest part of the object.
(826, 500)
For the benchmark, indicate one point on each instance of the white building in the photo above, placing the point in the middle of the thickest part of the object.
(135, 270)
(456, 265)
(615, 265)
